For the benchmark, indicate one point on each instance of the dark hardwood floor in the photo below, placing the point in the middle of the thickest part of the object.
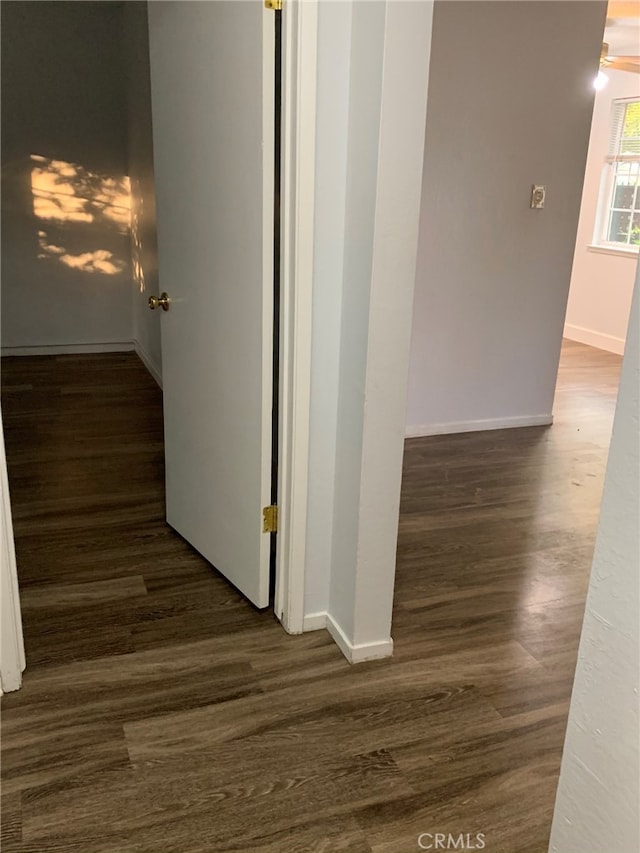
(160, 712)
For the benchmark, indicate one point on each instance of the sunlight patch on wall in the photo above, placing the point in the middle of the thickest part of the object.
(101, 260)
(48, 248)
(69, 193)
(136, 239)
(66, 196)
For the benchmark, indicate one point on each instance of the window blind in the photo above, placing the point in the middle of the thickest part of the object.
(620, 148)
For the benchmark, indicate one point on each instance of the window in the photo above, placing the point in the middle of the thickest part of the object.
(618, 223)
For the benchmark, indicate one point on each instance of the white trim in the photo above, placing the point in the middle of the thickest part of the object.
(12, 658)
(146, 359)
(613, 250)
(70, 349)
(479, 425)
(314, 621)
(362, 651)
(299, 50)
(592, 338)
(353, 653)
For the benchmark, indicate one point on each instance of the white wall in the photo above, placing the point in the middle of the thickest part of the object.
(510, 101)
(366, 52)
(144, 241)
(372, 87)
(601, 282)
(66, 273)
(599, 789)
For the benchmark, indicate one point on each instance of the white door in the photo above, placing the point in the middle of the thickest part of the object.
(213, 118)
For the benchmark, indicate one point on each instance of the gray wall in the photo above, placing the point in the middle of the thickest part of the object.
(144, 242)
(510, 102)
(63, 99)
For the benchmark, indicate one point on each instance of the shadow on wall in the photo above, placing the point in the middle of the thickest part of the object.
(77, 209)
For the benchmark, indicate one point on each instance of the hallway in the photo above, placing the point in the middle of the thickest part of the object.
(160, 711)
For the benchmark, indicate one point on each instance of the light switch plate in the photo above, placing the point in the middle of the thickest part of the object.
(538, 193)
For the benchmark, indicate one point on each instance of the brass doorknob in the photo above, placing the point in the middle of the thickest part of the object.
(162, 300)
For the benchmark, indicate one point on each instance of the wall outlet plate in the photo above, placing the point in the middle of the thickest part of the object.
(538, 194)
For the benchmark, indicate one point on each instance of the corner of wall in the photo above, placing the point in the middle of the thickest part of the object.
(144, 248)
(358, 652)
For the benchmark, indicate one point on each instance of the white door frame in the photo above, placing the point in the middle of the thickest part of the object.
(360, 607)
(12, 659)
(299, 40)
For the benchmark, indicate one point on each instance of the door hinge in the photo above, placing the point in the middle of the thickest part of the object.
(274, 5)
(270, 519)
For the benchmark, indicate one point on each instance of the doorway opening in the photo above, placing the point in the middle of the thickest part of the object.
(608, 233)
(499, 507)
(81, 350)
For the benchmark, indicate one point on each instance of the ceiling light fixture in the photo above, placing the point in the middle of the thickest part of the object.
(601, 80)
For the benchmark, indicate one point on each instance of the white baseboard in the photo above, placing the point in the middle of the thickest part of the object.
(362, 651)
(594, 339)
(354, 654)
(69, 349)
(147, 361)
(477, 426)
(314, 621)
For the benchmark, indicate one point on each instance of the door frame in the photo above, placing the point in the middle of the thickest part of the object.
(12, 659)
(299, 52)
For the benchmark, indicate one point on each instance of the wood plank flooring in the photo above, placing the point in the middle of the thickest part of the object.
(160, 712)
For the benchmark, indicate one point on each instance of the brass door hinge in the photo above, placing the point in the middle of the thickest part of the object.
(275, 5)
(270, 519)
